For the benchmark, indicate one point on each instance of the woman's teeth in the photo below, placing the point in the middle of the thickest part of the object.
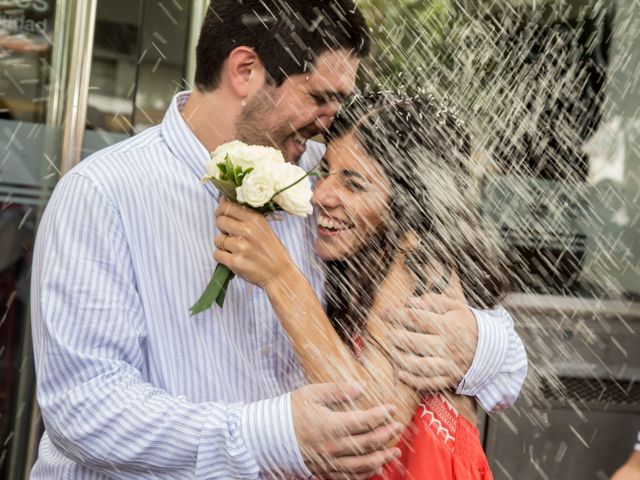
(331, 224)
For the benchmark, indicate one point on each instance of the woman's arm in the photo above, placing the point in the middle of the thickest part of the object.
(252, 251)
(323, 354)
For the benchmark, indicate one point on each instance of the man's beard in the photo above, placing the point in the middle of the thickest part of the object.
(253, 125)
(258, 125)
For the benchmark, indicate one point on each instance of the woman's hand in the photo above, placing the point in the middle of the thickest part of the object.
(248, 246)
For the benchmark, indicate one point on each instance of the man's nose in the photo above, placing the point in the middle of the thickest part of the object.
(325, 116)
(324, 122)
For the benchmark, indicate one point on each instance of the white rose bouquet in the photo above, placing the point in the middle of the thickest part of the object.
(259, 178)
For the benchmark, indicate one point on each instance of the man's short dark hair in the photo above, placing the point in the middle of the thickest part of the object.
(287, 35)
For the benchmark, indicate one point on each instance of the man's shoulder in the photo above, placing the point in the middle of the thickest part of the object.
(312, 155)
(118, 170)
(130, 152)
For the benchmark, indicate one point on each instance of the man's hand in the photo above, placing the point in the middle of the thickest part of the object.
(434, 341)
(342, 444)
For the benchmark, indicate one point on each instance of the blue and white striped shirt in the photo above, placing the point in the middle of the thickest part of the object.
(130, 385)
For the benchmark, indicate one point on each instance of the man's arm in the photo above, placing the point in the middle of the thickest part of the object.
(499, 364)
(486, 356)
(88, 327)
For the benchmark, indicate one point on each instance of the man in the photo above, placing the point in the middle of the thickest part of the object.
(131, 386)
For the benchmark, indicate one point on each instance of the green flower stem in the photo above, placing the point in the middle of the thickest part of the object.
(308, 174)
(215, 291)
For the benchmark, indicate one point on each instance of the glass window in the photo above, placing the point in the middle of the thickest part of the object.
(558, 161)
(138, 64)
(28, 158)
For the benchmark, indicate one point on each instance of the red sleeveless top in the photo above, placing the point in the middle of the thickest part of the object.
(439, 444)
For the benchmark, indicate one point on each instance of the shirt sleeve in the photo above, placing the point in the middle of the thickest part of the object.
(499, 367)
(88, 332)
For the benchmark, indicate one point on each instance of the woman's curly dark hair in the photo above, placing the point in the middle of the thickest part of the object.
(424, 150)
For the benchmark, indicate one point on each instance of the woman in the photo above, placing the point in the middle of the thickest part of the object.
(396, 216)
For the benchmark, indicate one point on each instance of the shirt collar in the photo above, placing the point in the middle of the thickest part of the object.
(181, 140)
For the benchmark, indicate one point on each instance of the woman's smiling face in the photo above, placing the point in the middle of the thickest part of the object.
(352, 202)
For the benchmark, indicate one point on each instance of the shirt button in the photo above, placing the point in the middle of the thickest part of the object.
(266, 351)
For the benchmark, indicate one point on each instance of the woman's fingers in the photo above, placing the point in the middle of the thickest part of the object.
(220, 240)
(229, 244)
(224, 257)
(233, 227)
(237, 212)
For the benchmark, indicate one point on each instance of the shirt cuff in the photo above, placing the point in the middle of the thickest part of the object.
(493, 342)
(267, 428)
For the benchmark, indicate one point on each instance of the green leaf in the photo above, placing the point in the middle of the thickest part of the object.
(224, 284)
(227, 188)
(215, 290)
(222, 168)
(237, 172)
(245, 173)
(229, 166)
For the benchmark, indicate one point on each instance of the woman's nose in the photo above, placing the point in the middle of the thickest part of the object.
(326, 193)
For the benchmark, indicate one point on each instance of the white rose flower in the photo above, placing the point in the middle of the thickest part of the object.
(219, 156)
(258, 187)
(241, 155)
(260, 155)
(246, 156)
(297, 199)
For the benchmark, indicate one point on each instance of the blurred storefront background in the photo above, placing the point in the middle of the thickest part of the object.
(549, 90)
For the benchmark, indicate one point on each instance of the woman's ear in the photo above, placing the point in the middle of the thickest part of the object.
(410, 241)
(244, 71)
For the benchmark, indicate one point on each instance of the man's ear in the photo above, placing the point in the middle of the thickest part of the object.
(244, 72)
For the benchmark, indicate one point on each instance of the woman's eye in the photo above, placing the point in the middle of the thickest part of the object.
(355, 186)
